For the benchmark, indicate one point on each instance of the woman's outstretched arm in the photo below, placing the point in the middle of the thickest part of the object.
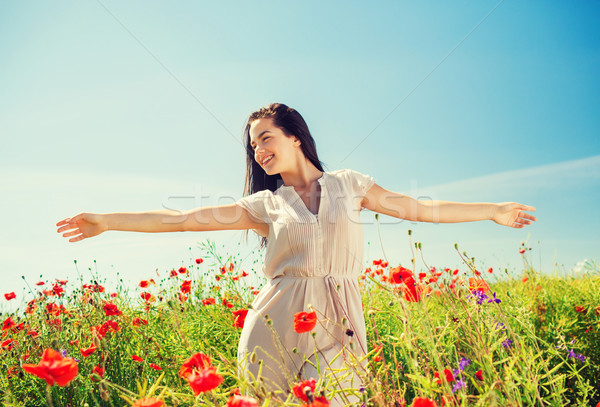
(390, 203)
(225, 217)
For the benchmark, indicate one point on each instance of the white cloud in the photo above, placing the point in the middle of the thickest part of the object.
(574, 173)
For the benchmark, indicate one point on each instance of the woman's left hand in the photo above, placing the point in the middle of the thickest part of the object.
(511, 214)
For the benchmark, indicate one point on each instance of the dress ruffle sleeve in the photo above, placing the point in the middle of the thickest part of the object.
(359, 183)
(256, 204)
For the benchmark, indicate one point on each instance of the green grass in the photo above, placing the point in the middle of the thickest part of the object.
(538, 346)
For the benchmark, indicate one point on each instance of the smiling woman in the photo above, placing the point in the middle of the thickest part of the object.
(308, 219)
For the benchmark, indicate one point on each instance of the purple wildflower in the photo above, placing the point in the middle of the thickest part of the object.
(463, 364)
(496, 300)
(574, 355)
(63, 352)
(460, 384)
(507, 343)
(479, 295)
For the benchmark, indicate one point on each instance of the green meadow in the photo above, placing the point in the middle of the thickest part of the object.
(464, 337)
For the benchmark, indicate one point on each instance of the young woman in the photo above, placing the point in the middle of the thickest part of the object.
(309, 221)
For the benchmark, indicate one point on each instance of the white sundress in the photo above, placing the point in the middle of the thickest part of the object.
(310, 260)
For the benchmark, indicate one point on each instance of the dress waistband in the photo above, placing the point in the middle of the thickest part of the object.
(327, 276)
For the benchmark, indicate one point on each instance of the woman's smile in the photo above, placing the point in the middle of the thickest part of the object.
(267, 160)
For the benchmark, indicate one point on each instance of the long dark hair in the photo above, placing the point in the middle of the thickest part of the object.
(292, 124)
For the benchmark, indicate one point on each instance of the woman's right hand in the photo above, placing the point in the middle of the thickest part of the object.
(83, 226)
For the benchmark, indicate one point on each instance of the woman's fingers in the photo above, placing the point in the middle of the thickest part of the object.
(76, 238)
(62, 222)
(65, 221)
(73, 233)
(66, 227)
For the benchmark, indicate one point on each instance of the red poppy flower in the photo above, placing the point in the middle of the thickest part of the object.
(412, 292)
(447, 376)
(149, 402)
(490, 270)
(173, 274)
(209, 301)
(138, 321)
(146, 296)
(198, 361)
(199, 261)
(53, 368)
(10, 296)
(137, 358)
(244, 274)
(182, 270)
(580, 309)
(111, 309)
(377, 349)
(400, 274)
(154, 366)
(186, 286)
(87, 352)
(40, 283)
(8, 344)
(112, 325)
(113, 295)
(478, 284)
(98, 370)
(241, 401)
(240, 318)
(423, 402)
(305, 321)
(55, 322)
(204, 380)
(301, 388)
(479, 374)
(377, 262)
(318, 402)
(143, 284)
(8, 324)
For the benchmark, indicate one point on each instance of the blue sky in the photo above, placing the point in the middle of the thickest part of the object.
(115, 107)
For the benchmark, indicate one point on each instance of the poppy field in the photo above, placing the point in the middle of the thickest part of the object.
(436, 337)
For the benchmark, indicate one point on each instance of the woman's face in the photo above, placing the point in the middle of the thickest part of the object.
(270, 141)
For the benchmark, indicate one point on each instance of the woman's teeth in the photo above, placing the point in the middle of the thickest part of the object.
(267, 160)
